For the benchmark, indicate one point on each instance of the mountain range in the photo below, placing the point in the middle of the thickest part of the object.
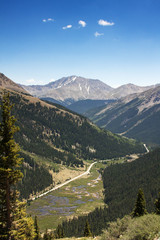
(136, 115)
(68, 90)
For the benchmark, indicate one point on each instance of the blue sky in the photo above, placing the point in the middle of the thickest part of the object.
(116, 41)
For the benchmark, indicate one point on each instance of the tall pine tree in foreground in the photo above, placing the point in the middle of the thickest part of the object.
(140, 205)
(14, 223)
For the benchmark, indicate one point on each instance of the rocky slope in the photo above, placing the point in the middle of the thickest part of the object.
(71, 89)
(134, 116)
(6, 83)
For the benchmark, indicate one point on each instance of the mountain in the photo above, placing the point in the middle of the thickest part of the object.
(135, 116)
(6, 83)
(127, 89)
(71, 89)
(83, 106)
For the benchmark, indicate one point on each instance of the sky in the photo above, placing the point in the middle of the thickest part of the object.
(115, 41)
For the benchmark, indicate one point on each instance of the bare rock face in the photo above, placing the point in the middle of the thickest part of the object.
(7, 83)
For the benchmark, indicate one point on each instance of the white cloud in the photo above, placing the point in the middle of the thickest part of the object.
(66, 27)
(31, 81)
(105, 23)
(48, 20)
(52, 80)
(97, 34)
(82, 23)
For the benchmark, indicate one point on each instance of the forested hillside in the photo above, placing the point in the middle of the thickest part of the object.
(83, 106)
(65, 137)
(121, 183)
(35, 177)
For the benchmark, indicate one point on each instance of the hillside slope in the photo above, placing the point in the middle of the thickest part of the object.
(53, 131)
(121, 184)
(83, 106)
(134, 116)
(6, 83)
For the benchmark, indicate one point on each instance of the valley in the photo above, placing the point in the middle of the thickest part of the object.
(73, 171)
(77, 198)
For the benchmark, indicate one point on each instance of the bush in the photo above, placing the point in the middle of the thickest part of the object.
(142, 228)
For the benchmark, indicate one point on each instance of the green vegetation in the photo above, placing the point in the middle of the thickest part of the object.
(87, 231)
(140, 205)
(122, 181)
(75, 199)
(157, 205)
(146, 227)
(14, 224)
(36, 227)
(35, 177)
(64, 137)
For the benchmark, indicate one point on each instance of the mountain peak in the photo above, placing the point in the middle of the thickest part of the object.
(71, 87)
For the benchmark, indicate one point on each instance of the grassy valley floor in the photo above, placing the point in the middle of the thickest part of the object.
(76, 198)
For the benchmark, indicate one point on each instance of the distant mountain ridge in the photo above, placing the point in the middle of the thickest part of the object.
(68, 90)
(136, 116)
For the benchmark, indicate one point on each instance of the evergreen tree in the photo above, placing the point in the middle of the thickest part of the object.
(87, 231)
(48, 236)
(13, 220)
(59, 232)
(37, 233)
(22, 226)
(157, 205)
(140, 205)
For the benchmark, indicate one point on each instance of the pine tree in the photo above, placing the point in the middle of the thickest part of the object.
(37, 233)
(47, 236)
(13, 220)
(140, 205)
(59, 232)
(157, 205)
(87, 231)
